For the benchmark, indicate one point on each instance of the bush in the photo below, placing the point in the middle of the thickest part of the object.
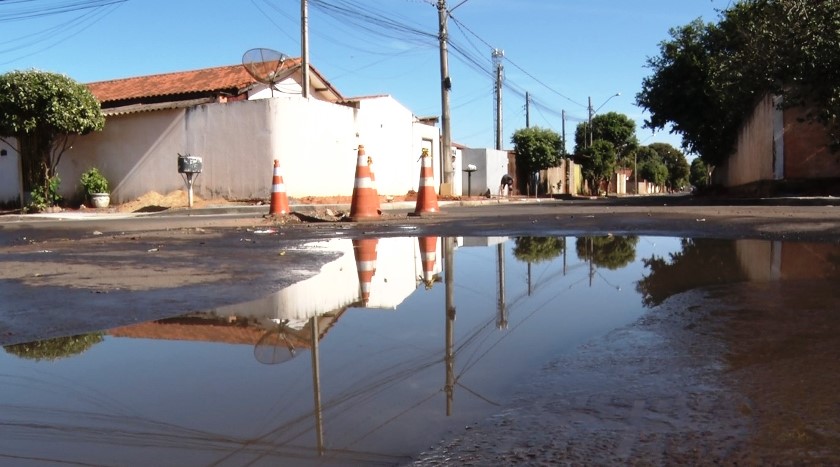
(93, 181)
(45, 197)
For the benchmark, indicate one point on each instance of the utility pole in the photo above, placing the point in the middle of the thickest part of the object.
(589, 123)
(304, 46)
(498, 55)
(445, 88)
(568, 159)
(527, 109)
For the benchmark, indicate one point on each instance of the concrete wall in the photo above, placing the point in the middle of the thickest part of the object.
(315, 141)
(777, 144)
(754, 156)
(492, 165)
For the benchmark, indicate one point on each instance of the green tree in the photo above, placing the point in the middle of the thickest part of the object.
(609, 252)
(618, 129)
(707, 78)
(536, 148)
(42, 111)
(699, 175)
(538, 249)
(654, 171)
(675, 163)
(54, 349)
(597, 163)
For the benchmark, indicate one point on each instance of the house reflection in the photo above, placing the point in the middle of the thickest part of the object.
(706, 262)
(369, 273)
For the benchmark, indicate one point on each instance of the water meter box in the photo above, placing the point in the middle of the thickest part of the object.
(189, 164)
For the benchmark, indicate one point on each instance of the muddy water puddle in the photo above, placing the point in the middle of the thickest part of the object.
(401, 342)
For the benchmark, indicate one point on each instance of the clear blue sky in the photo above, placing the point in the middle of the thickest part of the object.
(560, 51)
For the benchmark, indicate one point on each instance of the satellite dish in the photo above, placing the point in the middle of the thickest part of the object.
(274, 347)
(266, 66)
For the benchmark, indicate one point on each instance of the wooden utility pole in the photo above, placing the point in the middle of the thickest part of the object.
(304, 47)
(445, 88)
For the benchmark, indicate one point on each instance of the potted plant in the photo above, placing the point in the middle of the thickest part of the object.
(95, 186)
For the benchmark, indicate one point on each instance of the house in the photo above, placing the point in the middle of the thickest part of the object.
(778, 147)
(239, 126)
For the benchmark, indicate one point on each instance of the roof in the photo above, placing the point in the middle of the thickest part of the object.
(222, 78)
(231, 80)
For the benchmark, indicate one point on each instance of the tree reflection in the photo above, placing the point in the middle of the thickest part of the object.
(54, 349)
(537, 249)
(609, 251)
(701, 262)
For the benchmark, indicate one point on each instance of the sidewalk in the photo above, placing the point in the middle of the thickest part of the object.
(243, 209)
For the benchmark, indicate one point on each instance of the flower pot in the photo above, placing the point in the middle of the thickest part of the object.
(100, 200)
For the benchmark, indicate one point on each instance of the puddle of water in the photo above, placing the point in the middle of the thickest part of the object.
(376, 358)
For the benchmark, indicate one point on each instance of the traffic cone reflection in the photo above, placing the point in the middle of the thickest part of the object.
(427, 202)
(365, 252)
(365, 202)
(279, 200)
(428, 256)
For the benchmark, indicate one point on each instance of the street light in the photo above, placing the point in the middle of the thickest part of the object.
(592, 113)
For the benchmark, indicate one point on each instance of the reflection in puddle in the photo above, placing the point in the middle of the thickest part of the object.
(391, 346)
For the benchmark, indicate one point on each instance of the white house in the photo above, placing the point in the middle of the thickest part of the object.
(239, 126)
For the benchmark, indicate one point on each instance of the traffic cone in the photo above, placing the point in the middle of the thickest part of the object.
(427, 202)
(428, 256)
(365, 252)
(365, 202)
(279, 200)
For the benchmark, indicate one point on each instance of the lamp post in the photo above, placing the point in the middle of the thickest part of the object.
(592, 113)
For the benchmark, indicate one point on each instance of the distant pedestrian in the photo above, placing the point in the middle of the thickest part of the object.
(507, 181)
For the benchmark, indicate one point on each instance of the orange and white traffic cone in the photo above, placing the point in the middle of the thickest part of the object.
(427, 202)
(365, 252)
(428, 256)
(365, 202)
(279, 200)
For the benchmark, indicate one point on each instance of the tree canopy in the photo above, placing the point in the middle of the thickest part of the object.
(611, 252)
(707, 78)
(41, 110)
(613, 141)
(675, 162)
(537, 148)
(538, 249)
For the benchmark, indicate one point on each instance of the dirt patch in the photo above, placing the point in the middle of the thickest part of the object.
(154, 201)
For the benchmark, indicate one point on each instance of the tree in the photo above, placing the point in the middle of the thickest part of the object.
(42, 111)
(536, 148)
(618, 129)
(707, 78)
(538, 249)
(700, 173)
(675, 163)
(55, 349)
(597, 163)
(654, 171)
(609, 252)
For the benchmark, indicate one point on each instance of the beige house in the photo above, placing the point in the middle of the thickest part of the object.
(239, 126)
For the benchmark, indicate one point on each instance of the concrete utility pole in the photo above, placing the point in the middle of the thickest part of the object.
(498, 55)
(304, 47)
(589, 124)
(445, 88)
(527, 109)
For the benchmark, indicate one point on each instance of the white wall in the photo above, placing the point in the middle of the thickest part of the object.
(315, 141)
(492, 165)
(9, 174)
